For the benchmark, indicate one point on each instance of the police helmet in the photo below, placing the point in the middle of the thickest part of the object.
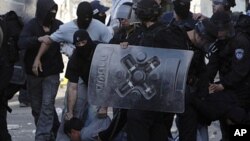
(126, 11)
(181, 8)
(206, 29)
(226, 3)
(223, 22)
(148, 10)
(208, 33)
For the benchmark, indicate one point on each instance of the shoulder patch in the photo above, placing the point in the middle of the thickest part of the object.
(239, 53)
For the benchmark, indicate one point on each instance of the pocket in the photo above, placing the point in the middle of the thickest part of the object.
(19, 76)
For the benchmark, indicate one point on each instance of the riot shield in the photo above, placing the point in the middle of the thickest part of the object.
(138, 77)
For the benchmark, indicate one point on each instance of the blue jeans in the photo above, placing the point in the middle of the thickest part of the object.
(80, 109)
(24, 96)
(93, 125)
(43, 92)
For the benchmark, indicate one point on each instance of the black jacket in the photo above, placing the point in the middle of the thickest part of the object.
(232, 60)
(158, 35)
(52, 60)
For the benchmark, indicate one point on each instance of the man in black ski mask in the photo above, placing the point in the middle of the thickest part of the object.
(84, 45)
(43, 84)
(50, 17)
(84, 15)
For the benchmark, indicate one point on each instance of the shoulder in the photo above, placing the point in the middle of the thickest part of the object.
(242, 38)
(58, 22)
(173, 36)
(31, 22)
(68, 25)
(97, 25)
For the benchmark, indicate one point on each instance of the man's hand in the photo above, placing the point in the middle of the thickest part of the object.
(215, 88)
(68, 116)
(37, 65)
(45, 39)
(198, 16)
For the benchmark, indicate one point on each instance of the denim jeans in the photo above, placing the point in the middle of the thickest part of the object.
(24, 96)
(43, 92)
(93, 125)
(80, 109)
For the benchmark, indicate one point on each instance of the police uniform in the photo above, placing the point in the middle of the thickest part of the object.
(149, 125)
(132, 36)
(233, 63)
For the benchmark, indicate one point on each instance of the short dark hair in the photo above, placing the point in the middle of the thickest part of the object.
(73, 123)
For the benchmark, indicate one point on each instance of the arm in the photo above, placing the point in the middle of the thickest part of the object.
(47, 41)
(240, 67)
(71, 99)
(27, 38)
(73, 76)
(213, 66)
(37, 65)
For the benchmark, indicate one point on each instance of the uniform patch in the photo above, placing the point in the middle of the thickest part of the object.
(239, 53)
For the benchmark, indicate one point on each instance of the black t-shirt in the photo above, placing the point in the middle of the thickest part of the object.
(79, 66)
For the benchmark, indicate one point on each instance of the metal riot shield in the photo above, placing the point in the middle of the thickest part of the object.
(138, 77)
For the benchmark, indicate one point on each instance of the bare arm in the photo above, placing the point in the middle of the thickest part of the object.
(71, 99)
(46, 42)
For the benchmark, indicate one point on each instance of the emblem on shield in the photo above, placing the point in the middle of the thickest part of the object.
(139, 78)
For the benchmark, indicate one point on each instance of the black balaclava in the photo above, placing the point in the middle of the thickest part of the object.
(100, 18)
(181, 8)
(50, 17)
(87, 49)
(84, 15)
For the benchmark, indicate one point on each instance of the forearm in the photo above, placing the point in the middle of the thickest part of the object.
(44, 47)
(72, 96)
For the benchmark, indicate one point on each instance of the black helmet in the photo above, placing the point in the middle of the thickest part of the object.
(181, 8)
(208, 32)
(206, 29)
(223, 22)
(148, 10)
(227, 3)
